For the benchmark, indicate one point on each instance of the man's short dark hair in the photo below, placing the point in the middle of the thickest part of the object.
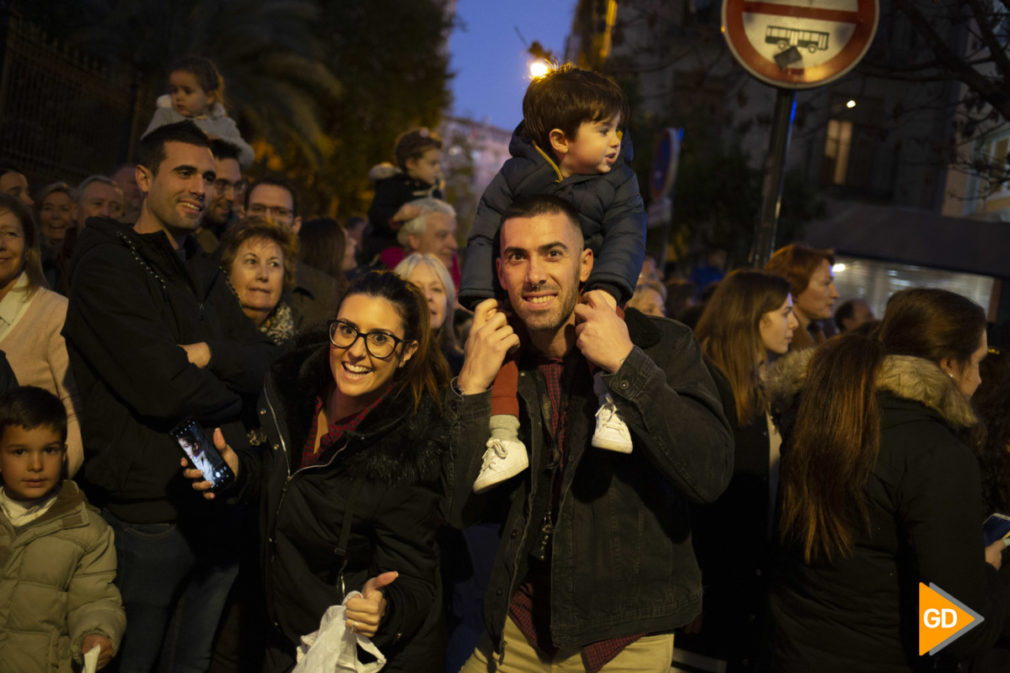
(567, 97)
(276, 181)
(32, 407)
(152, 146)
(222, 149)
(543, 204)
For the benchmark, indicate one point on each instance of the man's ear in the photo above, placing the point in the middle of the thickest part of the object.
(559, 142)
(585, 264)
(143, 176)
(497, 266)
(413, 241)
(296, 225)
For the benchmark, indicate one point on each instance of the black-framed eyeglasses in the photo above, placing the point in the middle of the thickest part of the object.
(378, 343)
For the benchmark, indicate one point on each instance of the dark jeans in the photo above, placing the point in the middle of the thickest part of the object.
(173, 597)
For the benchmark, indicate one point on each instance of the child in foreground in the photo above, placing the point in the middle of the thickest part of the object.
(196, 92)
(568, 145)
(57, 557)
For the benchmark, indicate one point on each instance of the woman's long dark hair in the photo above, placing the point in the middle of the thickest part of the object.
(427, 371)
(836, 439)
(730, 335)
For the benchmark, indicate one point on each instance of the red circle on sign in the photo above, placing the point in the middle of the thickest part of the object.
(867, 13)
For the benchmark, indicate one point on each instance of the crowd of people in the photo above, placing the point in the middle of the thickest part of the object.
(505, 458)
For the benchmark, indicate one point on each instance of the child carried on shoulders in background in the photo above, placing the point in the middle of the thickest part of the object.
(418, 175)
(58, 559)
(568, 145)
(196, 92)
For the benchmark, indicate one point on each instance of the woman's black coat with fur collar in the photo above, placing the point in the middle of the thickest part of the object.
(384, 483)
(924, 506)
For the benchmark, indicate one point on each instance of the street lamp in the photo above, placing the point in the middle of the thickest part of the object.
(539, 68)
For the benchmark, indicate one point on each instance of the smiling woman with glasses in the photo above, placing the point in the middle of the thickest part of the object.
(348, 481)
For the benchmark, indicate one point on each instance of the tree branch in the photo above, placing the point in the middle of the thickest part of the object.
(996, 50)
(990, 91)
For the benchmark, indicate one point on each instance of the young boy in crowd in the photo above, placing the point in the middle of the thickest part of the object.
(58, 559)
(418, 175)
(569, 144)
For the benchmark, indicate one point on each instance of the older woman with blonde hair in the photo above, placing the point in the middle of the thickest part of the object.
(428, 273)
(259, 258)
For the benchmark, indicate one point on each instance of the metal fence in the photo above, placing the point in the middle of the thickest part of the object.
(64, 116)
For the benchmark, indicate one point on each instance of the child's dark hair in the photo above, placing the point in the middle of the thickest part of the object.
(32, 407)
(152, 146)
(413, 144)
(567, 97)
(206, 74)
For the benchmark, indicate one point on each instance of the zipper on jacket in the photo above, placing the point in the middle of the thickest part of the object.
(284, 489)
(513, 581)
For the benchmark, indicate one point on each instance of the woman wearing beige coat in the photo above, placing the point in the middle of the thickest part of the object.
(31, 319)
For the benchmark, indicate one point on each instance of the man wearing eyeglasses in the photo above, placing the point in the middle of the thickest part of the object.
(315, 294)
(227, 189)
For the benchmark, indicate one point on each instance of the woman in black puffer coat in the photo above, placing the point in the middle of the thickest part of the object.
(348, 480)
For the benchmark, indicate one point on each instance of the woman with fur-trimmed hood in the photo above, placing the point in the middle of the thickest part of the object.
(879, 492)
(349, 479)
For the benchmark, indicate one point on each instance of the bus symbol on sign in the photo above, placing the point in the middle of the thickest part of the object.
(784, 37)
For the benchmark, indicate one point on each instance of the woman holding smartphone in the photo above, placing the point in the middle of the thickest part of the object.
(348, 481)
(880, 493)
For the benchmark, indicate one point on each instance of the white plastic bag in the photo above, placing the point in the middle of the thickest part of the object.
(334, 647)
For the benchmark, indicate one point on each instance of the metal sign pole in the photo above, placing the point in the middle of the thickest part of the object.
(771, 190)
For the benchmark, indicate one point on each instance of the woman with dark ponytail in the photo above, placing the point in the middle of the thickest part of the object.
(879, 492)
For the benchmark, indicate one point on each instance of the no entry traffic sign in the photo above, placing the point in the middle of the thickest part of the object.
(798, 44)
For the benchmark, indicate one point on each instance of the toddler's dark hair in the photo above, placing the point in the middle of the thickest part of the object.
(32, 407)
(414, 143)
(567, 97)
(206, 73)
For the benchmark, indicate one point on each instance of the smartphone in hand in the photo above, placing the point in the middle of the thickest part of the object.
(202, 453)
